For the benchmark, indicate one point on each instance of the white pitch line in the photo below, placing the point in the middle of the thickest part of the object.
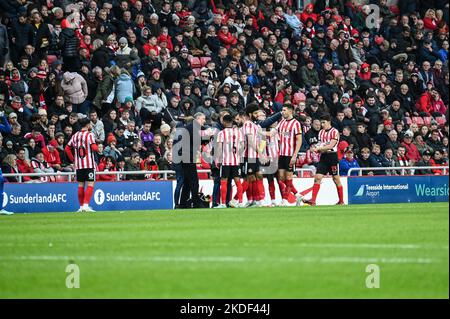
(245, 244)
(228, 259)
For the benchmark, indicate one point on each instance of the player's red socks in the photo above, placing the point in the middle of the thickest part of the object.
(255, 192)
(272, 190)
(293, 189)
(288, 188)
(340, 191)
(81, 195)
(315, 191)
(282, 187)
(250, 191)
(244, 189)
(88, 194)
(261, 189)
(223, 191)
(240, 191)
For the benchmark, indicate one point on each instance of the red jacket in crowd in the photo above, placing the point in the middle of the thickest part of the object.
(429, 105)
(227, 39)
(51, 157)
(412, 153)
(106, 177)
(24, 167)
(308, 13)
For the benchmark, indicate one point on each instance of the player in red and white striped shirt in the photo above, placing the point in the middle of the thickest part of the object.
(253, 184)
(230, 144)
(84, 146)
(328, 164)
(290, 133)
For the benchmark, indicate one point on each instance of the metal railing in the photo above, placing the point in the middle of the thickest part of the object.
(165, 174)
(402, 169)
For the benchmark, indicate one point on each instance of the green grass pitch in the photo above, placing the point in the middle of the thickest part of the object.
(305, 252)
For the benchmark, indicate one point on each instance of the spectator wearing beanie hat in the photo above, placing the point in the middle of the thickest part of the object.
(111, 149)
(125, 57)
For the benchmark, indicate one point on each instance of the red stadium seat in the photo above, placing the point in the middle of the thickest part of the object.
(440, 120)
(407, 120)
(427, 120)
(418, 120)
(204, 60)
(60, 178)
(195, 62)
(307, 174)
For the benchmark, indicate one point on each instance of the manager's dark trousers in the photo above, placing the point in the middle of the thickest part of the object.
(190, 185)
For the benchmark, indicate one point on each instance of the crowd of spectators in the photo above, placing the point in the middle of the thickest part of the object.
(136, 68)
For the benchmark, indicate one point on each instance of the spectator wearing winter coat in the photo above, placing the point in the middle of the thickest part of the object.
(364, 161)
(100, 56)
(393, 142)
(425, 161)
(434, 141)
(206, 108)
(226, 37)
(438, 160)
(401, 160)
(41, 35)
(395, 111)
(412, 153)
(106, 89)
(107, 164)
(377, 159)
(21, 35)
(406, 101)
(18, 86)
(172, 73)
(149, 106)
(430, 103)
(69, 44)
(51, 155)
(309, 75)
(75, 91)
(111, 149)
(125, 57)
(347, 163)
(39, 165)
(23, 164)
(98, 128)
(124, 86)
(362, 137)
(4, 44)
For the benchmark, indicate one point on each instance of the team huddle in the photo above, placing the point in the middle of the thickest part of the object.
(252, 147)
(248, 147)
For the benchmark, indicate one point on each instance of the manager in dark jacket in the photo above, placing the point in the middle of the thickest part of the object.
(185, 152)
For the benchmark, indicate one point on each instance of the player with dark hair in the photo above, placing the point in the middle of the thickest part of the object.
(84, 146)
(251, 131)
(290, 135)
(230, 143)
(328, 164)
